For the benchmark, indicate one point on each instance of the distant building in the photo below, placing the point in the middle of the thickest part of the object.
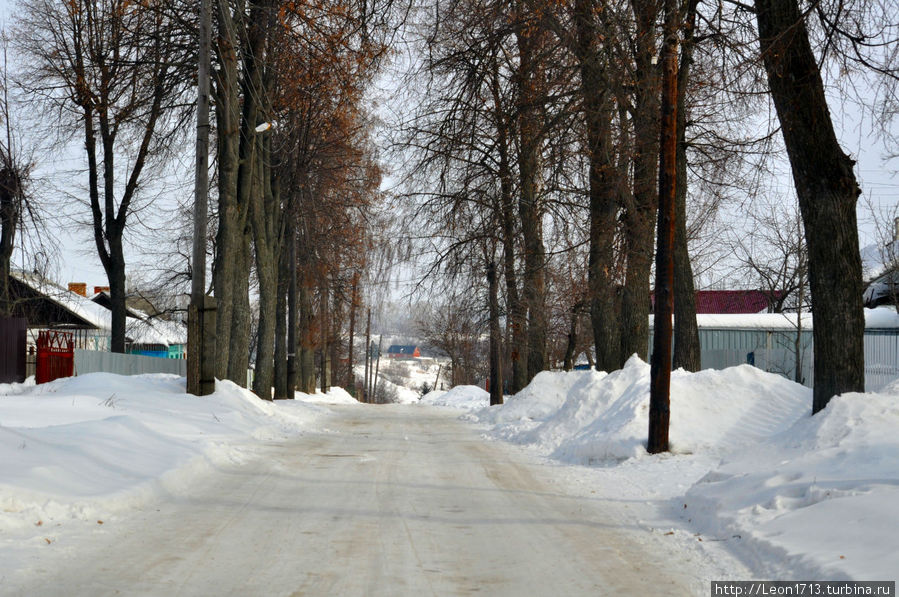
(397, 351)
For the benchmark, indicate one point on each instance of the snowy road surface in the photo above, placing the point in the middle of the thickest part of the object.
(395, 500)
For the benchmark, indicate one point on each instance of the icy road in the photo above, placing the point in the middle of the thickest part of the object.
(395, 500)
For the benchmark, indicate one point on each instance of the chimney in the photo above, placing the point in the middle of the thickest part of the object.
(99, 289)
(78, 288)
(895, 229)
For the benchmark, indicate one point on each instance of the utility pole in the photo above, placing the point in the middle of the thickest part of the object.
(374, 390)
(351, 375)
(660, 367)
(201, 313)
(496, 362)
(365, 385)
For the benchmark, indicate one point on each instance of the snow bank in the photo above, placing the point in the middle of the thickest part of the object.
(586, 417)
(335, 395)
(102, 442)
(460, 397)
(795, 496)
(822, 494)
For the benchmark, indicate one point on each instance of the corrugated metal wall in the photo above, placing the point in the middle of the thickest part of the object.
(774, 351)
(881, 358)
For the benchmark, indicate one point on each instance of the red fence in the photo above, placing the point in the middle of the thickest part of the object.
(55, 356)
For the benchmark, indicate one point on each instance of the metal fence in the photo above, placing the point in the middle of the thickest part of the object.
(91, 361)
(775, 351)
(881, 358)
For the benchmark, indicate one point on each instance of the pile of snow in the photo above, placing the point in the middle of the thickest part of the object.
(587, 417)
(335, 395)
(102, 442)
(793, 495)
(823, 494)
(460, 397)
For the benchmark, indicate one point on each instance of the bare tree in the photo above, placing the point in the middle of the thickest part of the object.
(15, 173)
(827, 191)
(774, 255)
(454, 328)
(111, 69)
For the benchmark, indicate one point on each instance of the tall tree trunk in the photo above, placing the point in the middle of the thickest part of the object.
(496, 358)
(265, 212)
(515, 309)
(530, 123)
(306, 368)
(324, 314)
(335, 334)
(237, 148)
(571, 346)
(281, 321)
(686, 332)
(350, 373)
(115, 273)
(292, 300)
(366, 387)
(640, 213)
(603, 189)
(239, 355)
(227, 116)
(827, 191)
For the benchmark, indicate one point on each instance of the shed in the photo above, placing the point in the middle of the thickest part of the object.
(769, 342)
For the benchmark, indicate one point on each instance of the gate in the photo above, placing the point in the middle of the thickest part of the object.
(55, 356)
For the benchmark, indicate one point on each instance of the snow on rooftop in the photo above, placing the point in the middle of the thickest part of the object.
(879, 318)
(139, 327)
(95, 314)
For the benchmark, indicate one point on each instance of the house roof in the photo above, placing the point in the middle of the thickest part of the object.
(731, 301)
(47, 304)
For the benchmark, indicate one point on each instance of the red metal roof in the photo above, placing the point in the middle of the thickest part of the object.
(731, 301)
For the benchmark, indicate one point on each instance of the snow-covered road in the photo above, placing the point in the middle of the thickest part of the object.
(394, 500)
